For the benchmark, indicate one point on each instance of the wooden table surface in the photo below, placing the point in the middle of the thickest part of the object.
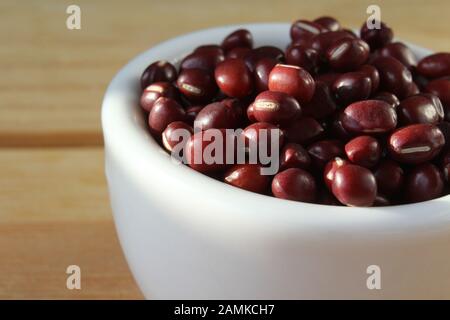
(54, 208)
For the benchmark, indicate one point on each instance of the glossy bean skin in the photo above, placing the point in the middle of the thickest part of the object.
(423, 182)
(347, 54)
(254, 136)
(354, 186)
(156, 90)
(234, 78)
(250, 113)
(440, 88)
(205, 58)
(321, 42)
(197, 158)
(157, 72)
(196, 85)
(304, 57)
(394, 76)
(330, 169)
(219, 115)
(400, 52)
(387, 97)
(373, 74)
(364, 151)
(351, 87)
(378, 37)
(420, 108)
(304, 131)
(170, 136)
(263, 52)
(435, 65)
(241, 38)
(322, 104)
(416, 143)
(294, 184)
(305, 29)
(276, 108)
(325, 150)
(390, 177)
(238, 53)
(261, 73)
(368, 117)
(294, 155)
(164, 112)
(329, 23)
(293, 80)
(247, 177)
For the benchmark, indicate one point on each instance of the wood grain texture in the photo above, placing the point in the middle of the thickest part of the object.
(54, 212)
(53, 79)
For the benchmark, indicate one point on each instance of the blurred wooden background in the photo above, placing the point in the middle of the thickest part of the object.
(54, 208)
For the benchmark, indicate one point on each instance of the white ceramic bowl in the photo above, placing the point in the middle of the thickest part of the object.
(188, 236)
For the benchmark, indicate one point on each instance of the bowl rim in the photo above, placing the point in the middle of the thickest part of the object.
(139, 154)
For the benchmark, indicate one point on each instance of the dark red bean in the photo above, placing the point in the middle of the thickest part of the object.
(327, 78)
(329, 23)
(373, 74)
(364, 151)
(354, 186)
(394, 76)
(381, 201)
(323, 151)
(420, 108)
(250, 113)
(192, 112)
(247, 177)
(259, 134)
(387, 97)
(423, 182)
(158, 71)
(234, 78)
(369, 116)
(164, 112)
(294, 155)
(347, 54)
(196, 85)
(238, 53)
(263, 52)
(377, 37)
(416, 143)
(155, 91)
(304, 57)
(322, 103)
(389, 176)
(435, 65)
(200, 160)
(218, 115)
(324, 40)
(239, 38)
(351, 87)
(440, 88)
(304, 131)
(305, 29)
(400, 52)
(294, 184)
(203, 58)
(276, 108)
(337, 129)
(330, 169)
(445, 129)
(413, 90)
(175, 133)
(261, 73)
(292, 80)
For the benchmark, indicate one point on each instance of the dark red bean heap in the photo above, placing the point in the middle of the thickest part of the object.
(359, 120)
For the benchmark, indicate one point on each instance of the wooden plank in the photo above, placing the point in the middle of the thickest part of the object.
(35, 257)
(54, 212)
(53, 79)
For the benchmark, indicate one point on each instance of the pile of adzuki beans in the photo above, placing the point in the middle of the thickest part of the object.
(363, 122)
